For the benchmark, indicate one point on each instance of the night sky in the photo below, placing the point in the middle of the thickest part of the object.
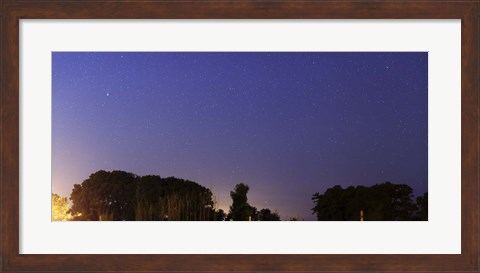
(288, 124)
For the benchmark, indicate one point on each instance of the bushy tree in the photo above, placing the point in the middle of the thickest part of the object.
(105, 196)
(380, 202)
(267, 215)
(240, 210)
(218, 215)
(119, 195)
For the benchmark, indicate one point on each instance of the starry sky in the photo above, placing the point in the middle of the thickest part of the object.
(288, 124)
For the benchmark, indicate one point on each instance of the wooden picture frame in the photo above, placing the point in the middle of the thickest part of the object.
(13, 11)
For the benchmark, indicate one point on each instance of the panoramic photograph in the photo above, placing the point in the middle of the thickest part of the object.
(239, 136)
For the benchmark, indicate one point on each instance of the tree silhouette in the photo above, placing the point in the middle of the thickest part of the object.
(219, 215)
(240, 210)
(122, 196)
(267, 215)
(422, 207)
(380, 202)
(105, 196)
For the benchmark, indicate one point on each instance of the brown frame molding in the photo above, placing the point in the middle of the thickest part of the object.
(12, 11)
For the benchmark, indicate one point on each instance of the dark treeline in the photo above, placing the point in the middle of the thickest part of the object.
(123, 196)
(380, 202)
